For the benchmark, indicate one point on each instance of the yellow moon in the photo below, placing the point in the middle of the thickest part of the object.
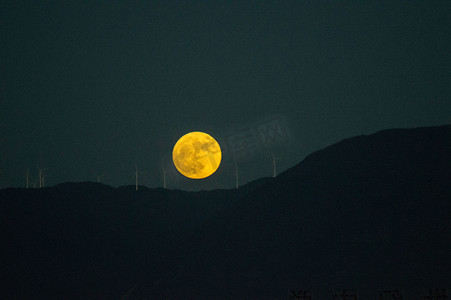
(197, 155)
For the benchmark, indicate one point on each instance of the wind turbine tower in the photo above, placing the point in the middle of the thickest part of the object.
(137, 172)
(99, 177)
(41, 176)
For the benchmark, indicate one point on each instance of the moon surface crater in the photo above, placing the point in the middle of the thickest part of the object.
(197, 155)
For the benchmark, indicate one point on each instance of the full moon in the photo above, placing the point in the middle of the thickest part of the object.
(196, 155)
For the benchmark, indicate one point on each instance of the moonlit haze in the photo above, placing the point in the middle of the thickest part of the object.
(93, 88)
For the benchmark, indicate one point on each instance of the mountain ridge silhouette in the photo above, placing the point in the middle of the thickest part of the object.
(370, 212)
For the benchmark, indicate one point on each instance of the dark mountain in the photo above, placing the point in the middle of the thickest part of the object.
(368, 213)
(371, 212)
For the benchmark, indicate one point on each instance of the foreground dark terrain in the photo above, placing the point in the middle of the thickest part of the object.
(368, 213)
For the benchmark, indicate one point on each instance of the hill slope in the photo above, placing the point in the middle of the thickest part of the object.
(371, 213)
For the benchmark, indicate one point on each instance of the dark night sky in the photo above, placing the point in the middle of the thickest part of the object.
(94, 87)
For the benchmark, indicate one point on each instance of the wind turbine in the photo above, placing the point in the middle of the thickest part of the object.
(137, 172)
(41, 176)
(99, 176)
